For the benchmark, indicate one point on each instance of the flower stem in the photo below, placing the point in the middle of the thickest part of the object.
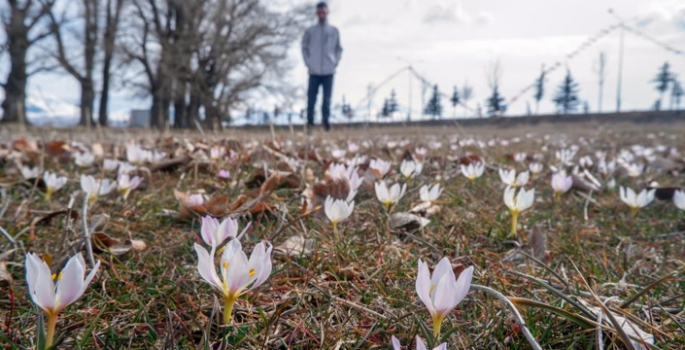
(229, 301)
(437, 324)
(48, 194)
(50, 335)
(634, 211)
(335, 231)
(514, 223)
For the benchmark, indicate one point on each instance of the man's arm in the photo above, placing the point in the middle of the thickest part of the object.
(305, 47)
(338, 50)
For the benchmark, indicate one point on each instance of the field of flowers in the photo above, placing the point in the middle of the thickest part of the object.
(359, 239)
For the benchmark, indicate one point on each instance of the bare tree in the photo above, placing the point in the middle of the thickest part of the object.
(79, 60)
(113, 10)
(23, 27)
(208, 56)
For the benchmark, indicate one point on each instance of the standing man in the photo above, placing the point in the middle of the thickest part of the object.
(321, 51)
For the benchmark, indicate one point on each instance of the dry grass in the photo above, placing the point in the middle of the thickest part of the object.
(356, 293)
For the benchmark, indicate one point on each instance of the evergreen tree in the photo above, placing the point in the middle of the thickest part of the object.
(566, 98)
(466, 95)
(455, 100)
(385, 111)
(393, 106)
(676, 93)
(662, 81)
(495, 103)
(539, 90)
(434, 107)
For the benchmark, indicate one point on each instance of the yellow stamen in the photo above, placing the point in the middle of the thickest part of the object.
(432, 288)
(252, 272)
(225, 265)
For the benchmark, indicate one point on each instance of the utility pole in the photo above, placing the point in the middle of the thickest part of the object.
(600, 74)
(620, 59)
(411, 72)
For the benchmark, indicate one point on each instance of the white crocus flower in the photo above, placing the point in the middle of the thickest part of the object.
(380, 167)
(430, 194)
(473, 170)
(238, 275)
(510, 178)
(214, 233)
(634, 169)
(216, 152)
(411, 169)
(517, 203)
(95, 188)
(561, 184)
(586, 162)
(441, 292)
(337, 210)
(389, 196)
(52, 183)
(71, 284)
(420, 345)
(84, 160)
(29, 173)
(535, 168)
(636, 201)
(126, 184)
(110, 164)
(679, 199)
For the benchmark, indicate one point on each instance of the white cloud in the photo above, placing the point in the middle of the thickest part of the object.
(453, 11)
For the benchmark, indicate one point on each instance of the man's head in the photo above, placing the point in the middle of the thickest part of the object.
(322, 11)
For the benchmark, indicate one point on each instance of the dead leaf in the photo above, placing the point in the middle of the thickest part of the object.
(102, 242)
(538, 243)
(5, 276)
(296, 246)
(73, 214)
(407, 221)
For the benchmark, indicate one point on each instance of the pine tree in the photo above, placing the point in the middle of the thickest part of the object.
(662, 81)
(539, 90)
(385, 111)
(434, 107)
(566, 98)
(393, 106)
(455, 100)
(495, 103)
(466, 95)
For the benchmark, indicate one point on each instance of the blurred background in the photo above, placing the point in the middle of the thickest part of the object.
(174, 63)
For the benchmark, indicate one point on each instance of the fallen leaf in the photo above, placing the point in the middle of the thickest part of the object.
(73, 214)
(296, 246)
(407, 221)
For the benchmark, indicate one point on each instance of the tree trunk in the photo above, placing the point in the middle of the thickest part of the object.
(14, 105)
(104, 96)
(180, 115)
(87, 102)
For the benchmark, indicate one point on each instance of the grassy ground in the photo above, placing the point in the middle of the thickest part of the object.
(357, 292)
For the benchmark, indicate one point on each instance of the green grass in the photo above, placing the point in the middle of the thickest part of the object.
(357, 293)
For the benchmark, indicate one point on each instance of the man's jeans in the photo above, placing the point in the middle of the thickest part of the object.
(327, 82)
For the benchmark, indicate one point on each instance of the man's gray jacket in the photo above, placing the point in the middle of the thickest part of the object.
(321, 49)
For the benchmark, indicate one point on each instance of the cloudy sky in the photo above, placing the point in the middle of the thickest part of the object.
(454, 41)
